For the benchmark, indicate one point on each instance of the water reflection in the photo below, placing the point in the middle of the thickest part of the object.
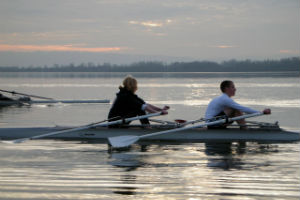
(223, 155)
(45, 169)
(229, 156)
(7, 113)
(128, 161)
(128, 189)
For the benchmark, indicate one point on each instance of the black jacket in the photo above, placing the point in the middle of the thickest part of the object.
(127, 105)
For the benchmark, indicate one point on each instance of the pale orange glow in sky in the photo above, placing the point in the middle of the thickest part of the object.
(32, 48)
(286, 51)
(223, 46)
(164, 31)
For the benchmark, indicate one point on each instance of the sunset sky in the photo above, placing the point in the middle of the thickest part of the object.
(37, 32)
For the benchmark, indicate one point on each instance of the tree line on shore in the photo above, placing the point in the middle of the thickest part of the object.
(286, 64)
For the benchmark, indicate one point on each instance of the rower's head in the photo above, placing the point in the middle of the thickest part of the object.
(228, 88)
(130, 84)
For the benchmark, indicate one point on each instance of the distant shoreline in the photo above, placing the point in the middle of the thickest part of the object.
(282, 65)
(281, 74)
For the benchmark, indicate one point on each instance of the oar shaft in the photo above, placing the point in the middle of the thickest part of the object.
(202, 125)
(99, 124)
(70, 101)
(29, 95)
(120, 121)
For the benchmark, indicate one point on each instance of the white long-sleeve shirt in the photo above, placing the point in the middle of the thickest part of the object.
(218, 104)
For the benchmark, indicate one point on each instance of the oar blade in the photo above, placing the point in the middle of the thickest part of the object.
(122, 141)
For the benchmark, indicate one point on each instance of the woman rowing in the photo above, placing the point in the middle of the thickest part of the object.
(225, 106)
(128, 104)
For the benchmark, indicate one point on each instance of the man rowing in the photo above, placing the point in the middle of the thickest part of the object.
(224, 105)
(128, 104)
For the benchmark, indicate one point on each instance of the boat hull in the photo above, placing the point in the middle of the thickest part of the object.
(101, 134)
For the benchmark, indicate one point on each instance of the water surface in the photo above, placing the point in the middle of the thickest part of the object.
(50, 169)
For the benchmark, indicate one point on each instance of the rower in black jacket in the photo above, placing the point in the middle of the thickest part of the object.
(128, 104)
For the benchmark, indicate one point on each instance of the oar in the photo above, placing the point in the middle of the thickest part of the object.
(183, 122)
(127, 140)
(28, 95)
(92, 125)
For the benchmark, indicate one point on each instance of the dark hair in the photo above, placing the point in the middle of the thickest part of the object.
(225, 84)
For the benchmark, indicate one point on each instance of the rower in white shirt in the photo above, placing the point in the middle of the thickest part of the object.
(225, 106)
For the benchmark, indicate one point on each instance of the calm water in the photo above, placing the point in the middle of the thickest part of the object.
(74, 170)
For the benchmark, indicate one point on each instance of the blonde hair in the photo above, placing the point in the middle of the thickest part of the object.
(129, 83)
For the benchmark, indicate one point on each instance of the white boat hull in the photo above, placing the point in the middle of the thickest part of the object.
(193, 135)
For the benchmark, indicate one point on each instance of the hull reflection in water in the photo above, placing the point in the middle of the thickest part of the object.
(71, 170)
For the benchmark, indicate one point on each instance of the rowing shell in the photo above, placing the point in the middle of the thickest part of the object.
(100, 134)
(17, 102)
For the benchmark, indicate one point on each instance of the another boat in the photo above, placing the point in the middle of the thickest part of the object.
(29, 102)
(256, 132)
(25, 99)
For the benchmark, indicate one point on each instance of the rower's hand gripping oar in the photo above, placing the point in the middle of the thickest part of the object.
(127, 140)
(92, 125)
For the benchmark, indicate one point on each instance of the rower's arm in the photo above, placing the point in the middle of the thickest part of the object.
(152, 109)
(232, 104)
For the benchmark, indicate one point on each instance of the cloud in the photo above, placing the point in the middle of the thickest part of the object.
(223, 46)
(151, 24)
(33, 48)
(197, 28)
